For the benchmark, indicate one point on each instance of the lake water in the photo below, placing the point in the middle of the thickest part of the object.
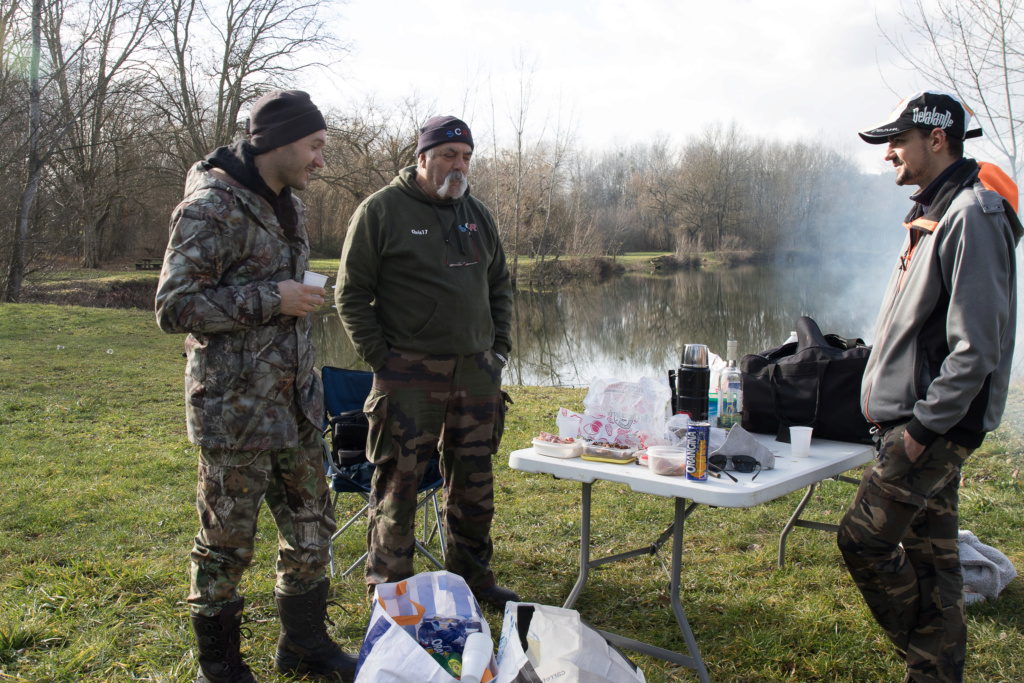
(634, 326)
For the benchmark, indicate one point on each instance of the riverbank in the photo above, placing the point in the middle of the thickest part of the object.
(121, 285)
(97, 517)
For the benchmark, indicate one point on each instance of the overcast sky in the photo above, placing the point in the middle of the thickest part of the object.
(630, 70)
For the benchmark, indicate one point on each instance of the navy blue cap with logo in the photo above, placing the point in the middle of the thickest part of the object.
(927, 110)
(441, 129)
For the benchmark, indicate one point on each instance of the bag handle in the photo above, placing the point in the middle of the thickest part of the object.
(773, 381)
(404, 619)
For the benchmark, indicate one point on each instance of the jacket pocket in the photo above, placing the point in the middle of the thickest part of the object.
(922, 372)
(379, 441)
(195, 372)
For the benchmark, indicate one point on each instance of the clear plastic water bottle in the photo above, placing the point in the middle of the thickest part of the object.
(730, 390)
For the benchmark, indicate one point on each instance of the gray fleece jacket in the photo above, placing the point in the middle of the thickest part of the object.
(945, 333)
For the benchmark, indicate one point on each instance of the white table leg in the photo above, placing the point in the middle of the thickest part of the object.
(692, 661)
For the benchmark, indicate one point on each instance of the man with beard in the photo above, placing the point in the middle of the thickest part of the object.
(425, 295)
(254, 403)
(936, 381)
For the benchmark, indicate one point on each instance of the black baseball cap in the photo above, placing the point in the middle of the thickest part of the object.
(929, 109)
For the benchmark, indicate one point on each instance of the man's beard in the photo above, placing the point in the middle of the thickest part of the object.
(447, 191)
(904, 175)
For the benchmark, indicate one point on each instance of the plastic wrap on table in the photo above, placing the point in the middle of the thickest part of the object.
(629, 413)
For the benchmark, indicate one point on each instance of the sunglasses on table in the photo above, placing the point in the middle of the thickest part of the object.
(744, 464)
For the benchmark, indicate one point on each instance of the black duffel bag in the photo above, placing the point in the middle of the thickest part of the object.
(814, 382)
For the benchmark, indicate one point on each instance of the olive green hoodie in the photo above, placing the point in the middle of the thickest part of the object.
(425, 275)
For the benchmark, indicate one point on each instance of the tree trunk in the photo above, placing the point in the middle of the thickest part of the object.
(16, 270)
(92, 233)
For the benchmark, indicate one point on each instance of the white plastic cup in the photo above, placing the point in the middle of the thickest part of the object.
(476, 656)
(800, 440)
(314, 279)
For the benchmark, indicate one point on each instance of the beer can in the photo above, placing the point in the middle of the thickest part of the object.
(697, 451)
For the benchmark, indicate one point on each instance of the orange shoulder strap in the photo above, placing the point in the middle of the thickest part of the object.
(993, 178)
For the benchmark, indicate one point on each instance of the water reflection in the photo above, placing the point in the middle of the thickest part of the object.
(635, 326)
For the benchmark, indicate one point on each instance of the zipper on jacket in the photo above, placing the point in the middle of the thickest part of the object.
(905, 259)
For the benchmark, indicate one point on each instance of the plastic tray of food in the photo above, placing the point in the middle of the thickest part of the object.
(603, 451)
(666, 460)
(558, 450)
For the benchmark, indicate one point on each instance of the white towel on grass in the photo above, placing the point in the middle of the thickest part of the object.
(986, 570)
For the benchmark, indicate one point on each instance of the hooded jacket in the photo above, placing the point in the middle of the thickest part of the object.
(424, 275)
(945, 333)
(250, 377)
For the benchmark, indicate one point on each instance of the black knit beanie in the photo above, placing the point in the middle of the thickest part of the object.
(281, 117)
(441, 129)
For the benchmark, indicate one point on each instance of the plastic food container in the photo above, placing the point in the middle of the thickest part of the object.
(608, 454)
(558, 450)
(666, 460)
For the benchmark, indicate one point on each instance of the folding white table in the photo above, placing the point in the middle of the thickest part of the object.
(827, 460)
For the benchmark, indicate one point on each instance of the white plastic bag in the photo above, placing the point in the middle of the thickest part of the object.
(390, 651)
(543, 643)
(629, 413)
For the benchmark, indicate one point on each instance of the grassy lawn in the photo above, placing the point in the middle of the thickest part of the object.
(97, 518)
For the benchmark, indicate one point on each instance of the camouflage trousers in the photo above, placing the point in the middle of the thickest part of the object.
(421, 405)
(899, 541)
(232, 487)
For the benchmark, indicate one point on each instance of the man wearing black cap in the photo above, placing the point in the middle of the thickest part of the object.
(232, 280)
(424, 293)
(935, 383)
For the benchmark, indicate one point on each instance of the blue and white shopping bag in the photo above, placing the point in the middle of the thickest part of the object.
(390, 650)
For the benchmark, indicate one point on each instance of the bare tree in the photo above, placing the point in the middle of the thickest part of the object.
(518, 115)
(366, 150)
(564, 139)
(96, 84)
(16, 268)
(221, 55)
(973, 48)
(714, 178)
(654, 189)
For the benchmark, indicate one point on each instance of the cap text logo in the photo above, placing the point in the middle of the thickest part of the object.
(933, 118)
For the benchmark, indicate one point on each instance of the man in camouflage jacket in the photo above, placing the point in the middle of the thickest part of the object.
(253, 400)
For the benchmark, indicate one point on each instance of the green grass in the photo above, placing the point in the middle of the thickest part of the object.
(97, 518)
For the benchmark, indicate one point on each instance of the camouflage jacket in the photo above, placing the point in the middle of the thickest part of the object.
(251, 374)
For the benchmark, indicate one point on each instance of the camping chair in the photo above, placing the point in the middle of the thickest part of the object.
(345, 429)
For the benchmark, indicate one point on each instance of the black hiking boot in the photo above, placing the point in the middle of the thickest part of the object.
(496, 596)
(305, 646)
(218, 640)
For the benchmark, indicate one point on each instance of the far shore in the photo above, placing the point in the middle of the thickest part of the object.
(122, 284)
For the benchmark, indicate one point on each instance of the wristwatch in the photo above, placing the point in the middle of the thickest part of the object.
(504, 361)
